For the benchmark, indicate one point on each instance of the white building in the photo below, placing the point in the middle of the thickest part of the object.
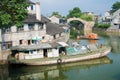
(115, 23)
(58, 20)
(108, 17)
(36, 36)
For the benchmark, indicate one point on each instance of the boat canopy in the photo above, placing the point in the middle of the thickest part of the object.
(31, 47)
(63, 44)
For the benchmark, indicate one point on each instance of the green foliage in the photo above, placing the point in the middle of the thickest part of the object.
(12, 12)
(116, 6)
(87, 17)
(56, 14)
(76, 12)
(73, 33)
(104, 26)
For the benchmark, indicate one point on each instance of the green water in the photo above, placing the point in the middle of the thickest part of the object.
(106, 68)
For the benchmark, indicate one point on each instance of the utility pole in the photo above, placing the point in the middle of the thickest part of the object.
(0, 44)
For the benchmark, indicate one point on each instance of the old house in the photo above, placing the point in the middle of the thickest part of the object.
(58, 20)
(115, 22)
(35, 36)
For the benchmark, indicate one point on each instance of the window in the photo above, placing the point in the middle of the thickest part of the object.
(29, 42)
(54, 36)
(40, 26)
(59, 34)
(31, 26)
(43, 37)
(6, 45)
(20, 41)
(20, 28)
(31, 7)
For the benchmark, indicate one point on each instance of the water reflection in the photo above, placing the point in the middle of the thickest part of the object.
(4, 72)
(63, 72)
(54, 72)
(114, 42)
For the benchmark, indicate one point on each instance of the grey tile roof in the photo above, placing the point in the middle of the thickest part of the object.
(30, 2)
(32, 19)
(52, 28)
(44, 19)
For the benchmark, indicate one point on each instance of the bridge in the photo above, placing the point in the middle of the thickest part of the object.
(87, 25)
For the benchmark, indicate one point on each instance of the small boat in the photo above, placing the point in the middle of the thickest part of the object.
(91, 36)
(59, 55)
(88, 38)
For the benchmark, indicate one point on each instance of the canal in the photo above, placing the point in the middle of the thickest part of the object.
(106, 68)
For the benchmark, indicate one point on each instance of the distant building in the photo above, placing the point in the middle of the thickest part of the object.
(88, 13)
(108, 17)
(115, 21)
(58, 20)
(98, 18)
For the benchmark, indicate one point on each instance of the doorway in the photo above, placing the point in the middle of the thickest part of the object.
(45, 52)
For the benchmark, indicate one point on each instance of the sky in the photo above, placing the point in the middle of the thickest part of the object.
(64, 6)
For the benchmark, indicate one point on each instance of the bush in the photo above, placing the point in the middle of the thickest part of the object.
(73, 33)
(104, 26)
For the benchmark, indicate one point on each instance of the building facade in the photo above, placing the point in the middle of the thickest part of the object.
(115, 21)
(37, 30)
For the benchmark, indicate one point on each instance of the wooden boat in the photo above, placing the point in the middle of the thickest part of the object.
(91, 36)
(71, 56)
(88, 38)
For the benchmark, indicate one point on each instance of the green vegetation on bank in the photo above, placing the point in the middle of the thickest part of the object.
(103, 26)
(75, 32)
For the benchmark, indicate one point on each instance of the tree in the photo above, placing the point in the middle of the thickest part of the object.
(87, 17)
(76, 12)
(56, 14)
(12, 12)
(115, 6)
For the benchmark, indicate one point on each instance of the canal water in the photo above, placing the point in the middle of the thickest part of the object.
(106, 68)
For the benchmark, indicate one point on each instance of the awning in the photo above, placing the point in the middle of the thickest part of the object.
(63, 44)
(37, 38)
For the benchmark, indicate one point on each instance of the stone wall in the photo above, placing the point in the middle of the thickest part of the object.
(87, 25)
(88, 28)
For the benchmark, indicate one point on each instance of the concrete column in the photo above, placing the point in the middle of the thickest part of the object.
(26, 27)
(36, 27)
(13, 29)
(44, 26)
(38, 11)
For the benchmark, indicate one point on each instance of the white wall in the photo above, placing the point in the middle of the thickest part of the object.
(54, 53)
(54, 19)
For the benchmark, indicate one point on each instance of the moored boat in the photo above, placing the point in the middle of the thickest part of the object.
(62, 54)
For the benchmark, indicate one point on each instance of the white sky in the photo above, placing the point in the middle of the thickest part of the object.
(63, 6)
